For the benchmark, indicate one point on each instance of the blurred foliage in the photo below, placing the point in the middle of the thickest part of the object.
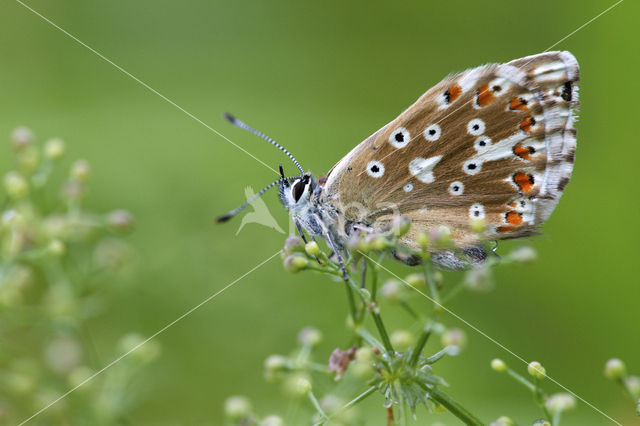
(320, 77)
(59, 263)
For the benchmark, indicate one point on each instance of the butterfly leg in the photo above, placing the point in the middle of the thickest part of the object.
(327, 236)
(304, 238)
(345, 276)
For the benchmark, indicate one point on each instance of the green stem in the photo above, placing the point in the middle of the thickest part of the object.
(375, 311)
(453, 406)
(374, 281)
(522, 380)
(431, 283)
(352, 302)
(316, 404)
(360, 397)
(409, 309)
(417, 350)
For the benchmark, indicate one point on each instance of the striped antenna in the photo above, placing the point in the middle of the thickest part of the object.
(238, 209)
(245, 126)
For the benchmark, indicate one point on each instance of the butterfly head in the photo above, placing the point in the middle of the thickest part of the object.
(296, 194)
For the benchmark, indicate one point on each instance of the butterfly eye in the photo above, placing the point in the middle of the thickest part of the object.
(476, 127)
(375, 169)
(400, 137)
(456, 188)
(432, 132)
(297, 190)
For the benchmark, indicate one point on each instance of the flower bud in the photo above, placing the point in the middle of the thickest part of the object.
(503, 421)
(57, 248)
(141, 349)
(523, 254)
(541, 422)
(416, 280)
(63, 354)
(376, 242)
(312, 248)
(293, 244)
(401, 340)
(28, 159)
(54, 148)
(80, 170)
(536, 370)
(614, 369)
(120, 220)
(72, 191)
(478, 226)
(274, 366)
(80, 376)
(454, 337)
(272, 420)
(441, 237)
(423, 240)
(21, 138)
(478, 279)
(237, 408)
(309, 336)
(400, 225)
(560, 402)
(633, 385)
(297, 385)
(365, 354)
(392, 291)
(498, 365)
(15, 185)
(295, 263)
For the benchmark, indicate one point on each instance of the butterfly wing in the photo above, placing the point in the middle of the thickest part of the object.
(495, 143)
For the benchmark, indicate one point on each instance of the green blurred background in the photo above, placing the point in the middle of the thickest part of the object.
(320, 77)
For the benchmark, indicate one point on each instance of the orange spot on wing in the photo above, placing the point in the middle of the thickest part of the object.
(454, 92)
(522, 151)
(518, 104)
(513, 204)
(485, 95)
(526, 124)
(513, 218)
(524, 181)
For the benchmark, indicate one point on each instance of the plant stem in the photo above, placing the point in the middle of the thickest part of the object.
(453, 406)
(360, 397)
(417, 350)
(316, 404)
(352, 302)
(375, 311)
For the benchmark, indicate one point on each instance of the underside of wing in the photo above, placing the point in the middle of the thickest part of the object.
(495, 143)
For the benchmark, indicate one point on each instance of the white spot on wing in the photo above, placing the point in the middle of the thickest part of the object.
(375, 169)
(456, 188)
(482, 144)
(476, 211)
(400, 137)
(476, 127)
(408, 187)
(472, 167)
(422, 168)
(432, 132)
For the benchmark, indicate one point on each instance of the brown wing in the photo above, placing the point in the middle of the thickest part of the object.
(493, 143)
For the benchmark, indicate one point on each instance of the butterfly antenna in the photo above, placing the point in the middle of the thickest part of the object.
(238, 209)
(245, 126)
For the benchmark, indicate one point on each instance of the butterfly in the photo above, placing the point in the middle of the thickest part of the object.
(493, 143)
